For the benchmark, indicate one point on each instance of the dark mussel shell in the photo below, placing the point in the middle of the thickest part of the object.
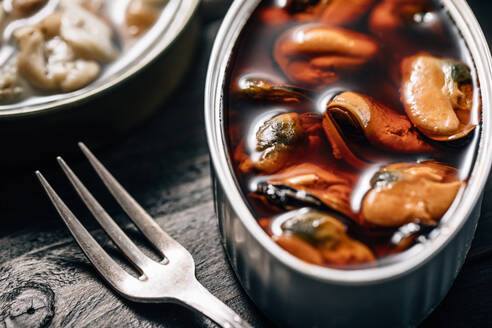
(309, 185)
(263, 89)
(275, 141)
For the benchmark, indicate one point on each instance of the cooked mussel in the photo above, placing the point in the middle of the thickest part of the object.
(319, 238)
(332, 12)
(352, 120)
(276, 140)
(438, 96)
(405, 193)
(264, 89)
(314, 55)
(308, 184)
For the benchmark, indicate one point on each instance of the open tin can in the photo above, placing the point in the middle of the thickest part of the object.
(294, 293)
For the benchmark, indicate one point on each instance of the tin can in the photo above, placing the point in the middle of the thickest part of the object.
(398, 293)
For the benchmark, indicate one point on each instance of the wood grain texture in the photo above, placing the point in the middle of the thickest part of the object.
(45, 280)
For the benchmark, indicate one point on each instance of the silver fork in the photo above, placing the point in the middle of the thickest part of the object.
(171, 280)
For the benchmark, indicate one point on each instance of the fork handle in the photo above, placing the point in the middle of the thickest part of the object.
(198, 298)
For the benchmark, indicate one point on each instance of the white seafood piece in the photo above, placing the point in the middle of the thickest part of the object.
(52, 65)
(88, 35)
(9, 81)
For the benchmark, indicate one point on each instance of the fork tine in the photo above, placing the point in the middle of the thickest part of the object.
(125, 244)
(107, 267)
(158, 237)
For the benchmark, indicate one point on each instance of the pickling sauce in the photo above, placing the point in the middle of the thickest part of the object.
(378, 79)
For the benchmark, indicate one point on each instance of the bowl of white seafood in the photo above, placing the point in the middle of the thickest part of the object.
(87, 69)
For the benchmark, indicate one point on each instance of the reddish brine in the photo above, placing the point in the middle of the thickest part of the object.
(351, 126)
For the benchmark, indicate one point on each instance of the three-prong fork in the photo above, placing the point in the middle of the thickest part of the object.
(171, 280)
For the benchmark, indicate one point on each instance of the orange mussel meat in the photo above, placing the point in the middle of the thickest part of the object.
(351, 115)
(280, 141)
(318, 238)
(315, 55)
(438, 96)
(410, 192)
(310, 184)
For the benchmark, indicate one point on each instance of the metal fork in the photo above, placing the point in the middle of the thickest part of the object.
(171, 280)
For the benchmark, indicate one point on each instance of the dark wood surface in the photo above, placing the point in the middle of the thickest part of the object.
(45, 280)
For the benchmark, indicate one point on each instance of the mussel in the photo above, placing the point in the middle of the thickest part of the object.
(332, 12)
(308, 184)
(405, 193)
(90, 36)
(352, 120)
(281, 141)
(65, 50)
(266, 90)
(438, 96)
(276, 140)
(319, 238)
(315, 55)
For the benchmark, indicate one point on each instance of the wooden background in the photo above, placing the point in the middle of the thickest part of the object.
(45, 280)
